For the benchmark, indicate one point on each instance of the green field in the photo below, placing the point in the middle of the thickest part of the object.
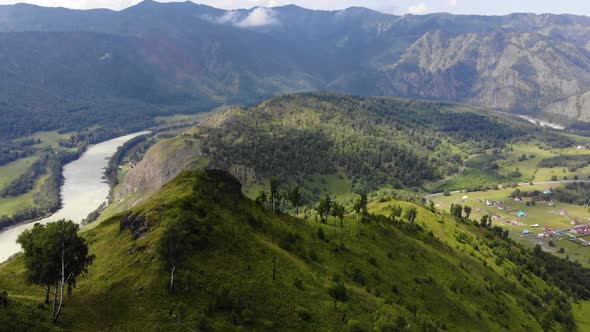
(582, 315)
(50, 138)
(529, 167)
(13, 170)
(556, 217)
(509, 161)
(10, 205)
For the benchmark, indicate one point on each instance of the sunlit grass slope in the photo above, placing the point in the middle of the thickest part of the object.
(396, 276)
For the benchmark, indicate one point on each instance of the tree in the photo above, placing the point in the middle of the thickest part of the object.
(324, 207)
(338, 293)
(456, 211)
(262, 198)
(396, 212)
(338, 211)
(467, 210)
(274, 190)
(360, 205)
(295, 196)
(484, 220)
(40, 270)
(410, 214)
(65, 254)
(173, 248)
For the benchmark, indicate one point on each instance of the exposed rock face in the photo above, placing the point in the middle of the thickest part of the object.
(576, 106)
(522, 72)
(162, 163)
(192, 55)
(136, 224)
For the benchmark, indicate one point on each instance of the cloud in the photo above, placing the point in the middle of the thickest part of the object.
(453, 3)
(231, 17)
(418, 9)
(257, 17)
(260, 16)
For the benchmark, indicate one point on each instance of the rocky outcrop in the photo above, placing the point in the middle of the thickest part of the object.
(161, 163)
(520, 72)
(138, 225)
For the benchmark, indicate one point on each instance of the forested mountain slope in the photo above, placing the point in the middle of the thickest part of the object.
(81, 67)
(239, 266)
(364, 143)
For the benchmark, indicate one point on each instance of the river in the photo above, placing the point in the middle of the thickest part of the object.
(83, 191)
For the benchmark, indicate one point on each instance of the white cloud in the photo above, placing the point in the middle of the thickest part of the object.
(257, 17)
(231, 17)
(418, 9)
(260, 16)
(453, 3)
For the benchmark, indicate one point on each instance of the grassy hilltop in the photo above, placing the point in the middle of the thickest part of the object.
(438, 274)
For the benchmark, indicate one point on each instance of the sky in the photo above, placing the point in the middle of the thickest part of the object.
(484, 7)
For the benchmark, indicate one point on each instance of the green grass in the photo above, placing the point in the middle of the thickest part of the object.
(50, 138)
(10, 205)
(389, 271)
(479, 175)
(582, 314)
(541, 214)
(13, 170)
(469, 178)
(177, 119)
(527, 167)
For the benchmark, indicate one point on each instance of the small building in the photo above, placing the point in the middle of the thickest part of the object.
(535, 225)
(521, 214)
(547, 191)
(526, 232)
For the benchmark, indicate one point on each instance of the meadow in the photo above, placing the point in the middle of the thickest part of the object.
(505, 210)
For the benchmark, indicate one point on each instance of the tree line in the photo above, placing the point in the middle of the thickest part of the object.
(376, 140)
(47, 200)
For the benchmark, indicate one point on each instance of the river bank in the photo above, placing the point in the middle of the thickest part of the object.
(84, 189)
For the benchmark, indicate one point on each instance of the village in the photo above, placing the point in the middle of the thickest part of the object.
(541, 221)
(519, 218)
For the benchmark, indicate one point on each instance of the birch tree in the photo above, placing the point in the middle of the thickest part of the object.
(174, 247)
(64, 257)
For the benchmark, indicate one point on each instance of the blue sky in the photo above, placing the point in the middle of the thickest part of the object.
(485, 7)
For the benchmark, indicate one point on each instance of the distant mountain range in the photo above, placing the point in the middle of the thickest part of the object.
(154, 55)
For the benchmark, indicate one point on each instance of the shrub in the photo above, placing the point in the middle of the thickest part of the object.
(3, 299)
(372, 261)
(358, 276)
(321, 234)
(355, 326)
(303, 314)
(298, 282)
(313, 255)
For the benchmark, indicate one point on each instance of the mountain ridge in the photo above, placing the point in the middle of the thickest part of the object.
(237, 265)
(192, 57)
